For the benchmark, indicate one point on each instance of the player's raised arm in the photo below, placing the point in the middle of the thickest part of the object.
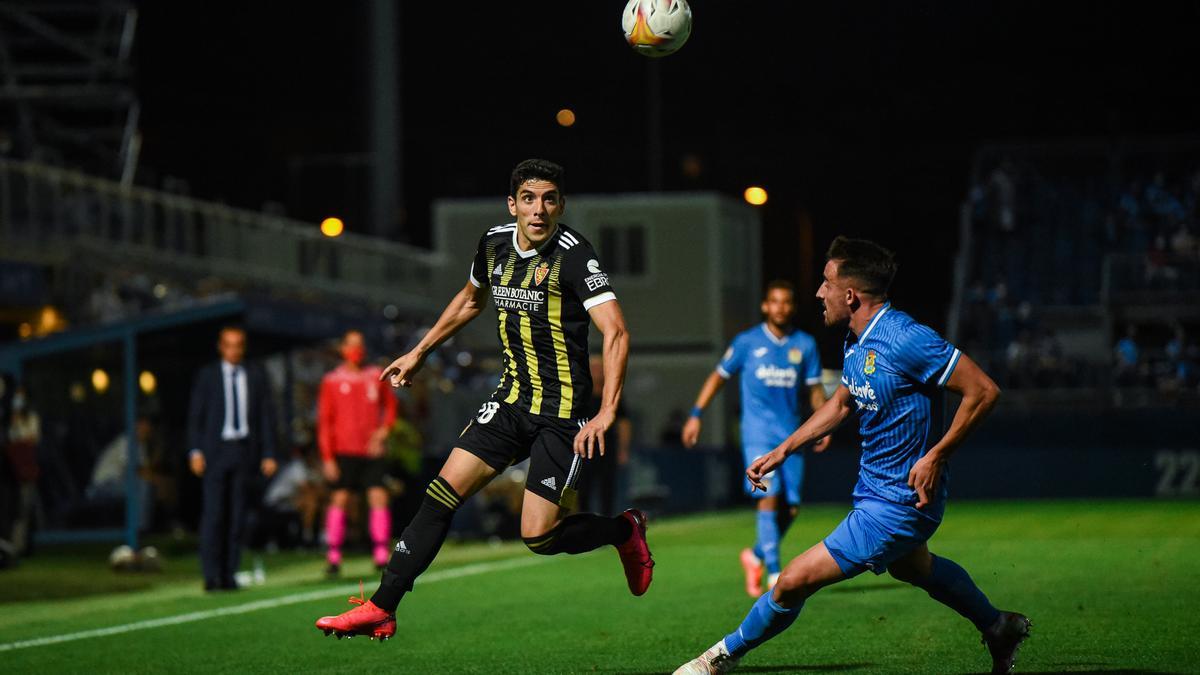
(691, 428)
(823, 422)
(463, 307)
(611, 321)
(979, 395)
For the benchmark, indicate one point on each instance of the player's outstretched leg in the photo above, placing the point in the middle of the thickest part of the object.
(948, 583)
(418, 545)
(771, 614)
(585, 532)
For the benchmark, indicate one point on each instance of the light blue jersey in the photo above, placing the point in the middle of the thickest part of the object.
(774, 371)
(896, 370)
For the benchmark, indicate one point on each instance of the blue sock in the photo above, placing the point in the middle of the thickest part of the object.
(950, 585)
(765, 620)
(767, 546)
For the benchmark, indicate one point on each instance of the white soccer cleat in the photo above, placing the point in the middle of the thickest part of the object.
(715, 660)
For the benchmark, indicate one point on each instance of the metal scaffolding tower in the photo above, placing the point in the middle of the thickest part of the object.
(66, 89)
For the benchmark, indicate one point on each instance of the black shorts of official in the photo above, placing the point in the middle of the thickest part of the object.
(359, 473)
(501, 435)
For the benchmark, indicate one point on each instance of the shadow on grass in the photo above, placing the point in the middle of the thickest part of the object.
(811, 668)
(1114, 671)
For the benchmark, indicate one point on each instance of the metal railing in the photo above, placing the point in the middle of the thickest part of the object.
(44, 209)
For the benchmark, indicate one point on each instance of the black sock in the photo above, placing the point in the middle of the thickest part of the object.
(419, 544)
(581, 533)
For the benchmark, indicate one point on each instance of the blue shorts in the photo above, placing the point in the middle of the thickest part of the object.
(789, 477)
(876, 533)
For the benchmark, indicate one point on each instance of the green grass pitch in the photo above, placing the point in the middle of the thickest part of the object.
(1111, 587)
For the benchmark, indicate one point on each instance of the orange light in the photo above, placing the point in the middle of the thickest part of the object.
(755, 195)
(25, 330)
(332, 227)
(147, 382)
(565, 117)
(99, 381)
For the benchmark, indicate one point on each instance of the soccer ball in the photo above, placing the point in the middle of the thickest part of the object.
(656, 27)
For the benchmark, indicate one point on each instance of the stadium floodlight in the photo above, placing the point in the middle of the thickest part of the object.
(755, 195)
(147, 382)
(332, 227)
(99, 380)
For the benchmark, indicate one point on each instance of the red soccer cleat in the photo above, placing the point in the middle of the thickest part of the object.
(635, 554)
(366, 619)
(754, 571)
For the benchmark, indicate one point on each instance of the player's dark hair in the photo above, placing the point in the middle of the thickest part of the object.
(536, 169)
(866, 262)
(780, 285)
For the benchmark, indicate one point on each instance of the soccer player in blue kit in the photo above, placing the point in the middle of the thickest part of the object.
(777, 364)
(892, 377)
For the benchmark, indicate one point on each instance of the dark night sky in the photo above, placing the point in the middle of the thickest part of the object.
(865, 116)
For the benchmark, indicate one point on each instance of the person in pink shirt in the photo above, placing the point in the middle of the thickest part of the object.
(354, 412)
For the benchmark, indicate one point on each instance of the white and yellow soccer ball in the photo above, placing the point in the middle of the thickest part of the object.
(656, 27)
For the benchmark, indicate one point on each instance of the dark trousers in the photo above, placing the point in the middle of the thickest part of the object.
(224, 514)
(598, 492)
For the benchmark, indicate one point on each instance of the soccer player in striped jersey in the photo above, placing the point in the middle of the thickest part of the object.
(777, 364)
(893, 375)
(547, 285)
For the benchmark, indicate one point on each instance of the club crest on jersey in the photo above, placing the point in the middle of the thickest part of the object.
(540, 273)
(869, 364)
(795, 356)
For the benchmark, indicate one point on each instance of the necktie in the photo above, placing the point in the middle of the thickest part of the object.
(237, 412)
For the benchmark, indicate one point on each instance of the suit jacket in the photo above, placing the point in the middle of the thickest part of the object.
(206, 415)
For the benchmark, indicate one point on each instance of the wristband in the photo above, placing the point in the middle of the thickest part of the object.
(697, 412)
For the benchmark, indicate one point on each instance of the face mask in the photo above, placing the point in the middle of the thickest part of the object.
(18, 402)
(354, 355)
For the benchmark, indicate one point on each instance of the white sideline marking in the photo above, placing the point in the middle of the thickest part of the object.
(455, 573)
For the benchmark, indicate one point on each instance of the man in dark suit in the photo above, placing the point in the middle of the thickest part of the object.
(231, 429)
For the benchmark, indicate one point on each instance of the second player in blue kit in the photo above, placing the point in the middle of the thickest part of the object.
(894, 372)
(777, 365)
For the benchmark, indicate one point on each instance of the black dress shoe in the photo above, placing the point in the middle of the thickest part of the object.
(229, 585)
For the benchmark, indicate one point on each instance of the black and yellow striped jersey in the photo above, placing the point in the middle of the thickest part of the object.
(542, 299)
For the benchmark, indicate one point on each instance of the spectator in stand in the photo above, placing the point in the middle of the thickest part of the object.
(1161, 202)
(1182, 360)
(355, 410)
(1003, 191)
(24, 436)
(1183, 243)
(1127, 356)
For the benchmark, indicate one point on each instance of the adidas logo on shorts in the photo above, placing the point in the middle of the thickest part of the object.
(549, 482)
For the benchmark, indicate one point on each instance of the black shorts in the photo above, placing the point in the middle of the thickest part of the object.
(501, 435)
(359, 473)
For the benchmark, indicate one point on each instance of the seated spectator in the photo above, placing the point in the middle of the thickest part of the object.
(1127, 356)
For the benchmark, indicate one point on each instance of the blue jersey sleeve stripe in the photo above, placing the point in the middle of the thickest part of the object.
(949, 368)
(722, 372)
